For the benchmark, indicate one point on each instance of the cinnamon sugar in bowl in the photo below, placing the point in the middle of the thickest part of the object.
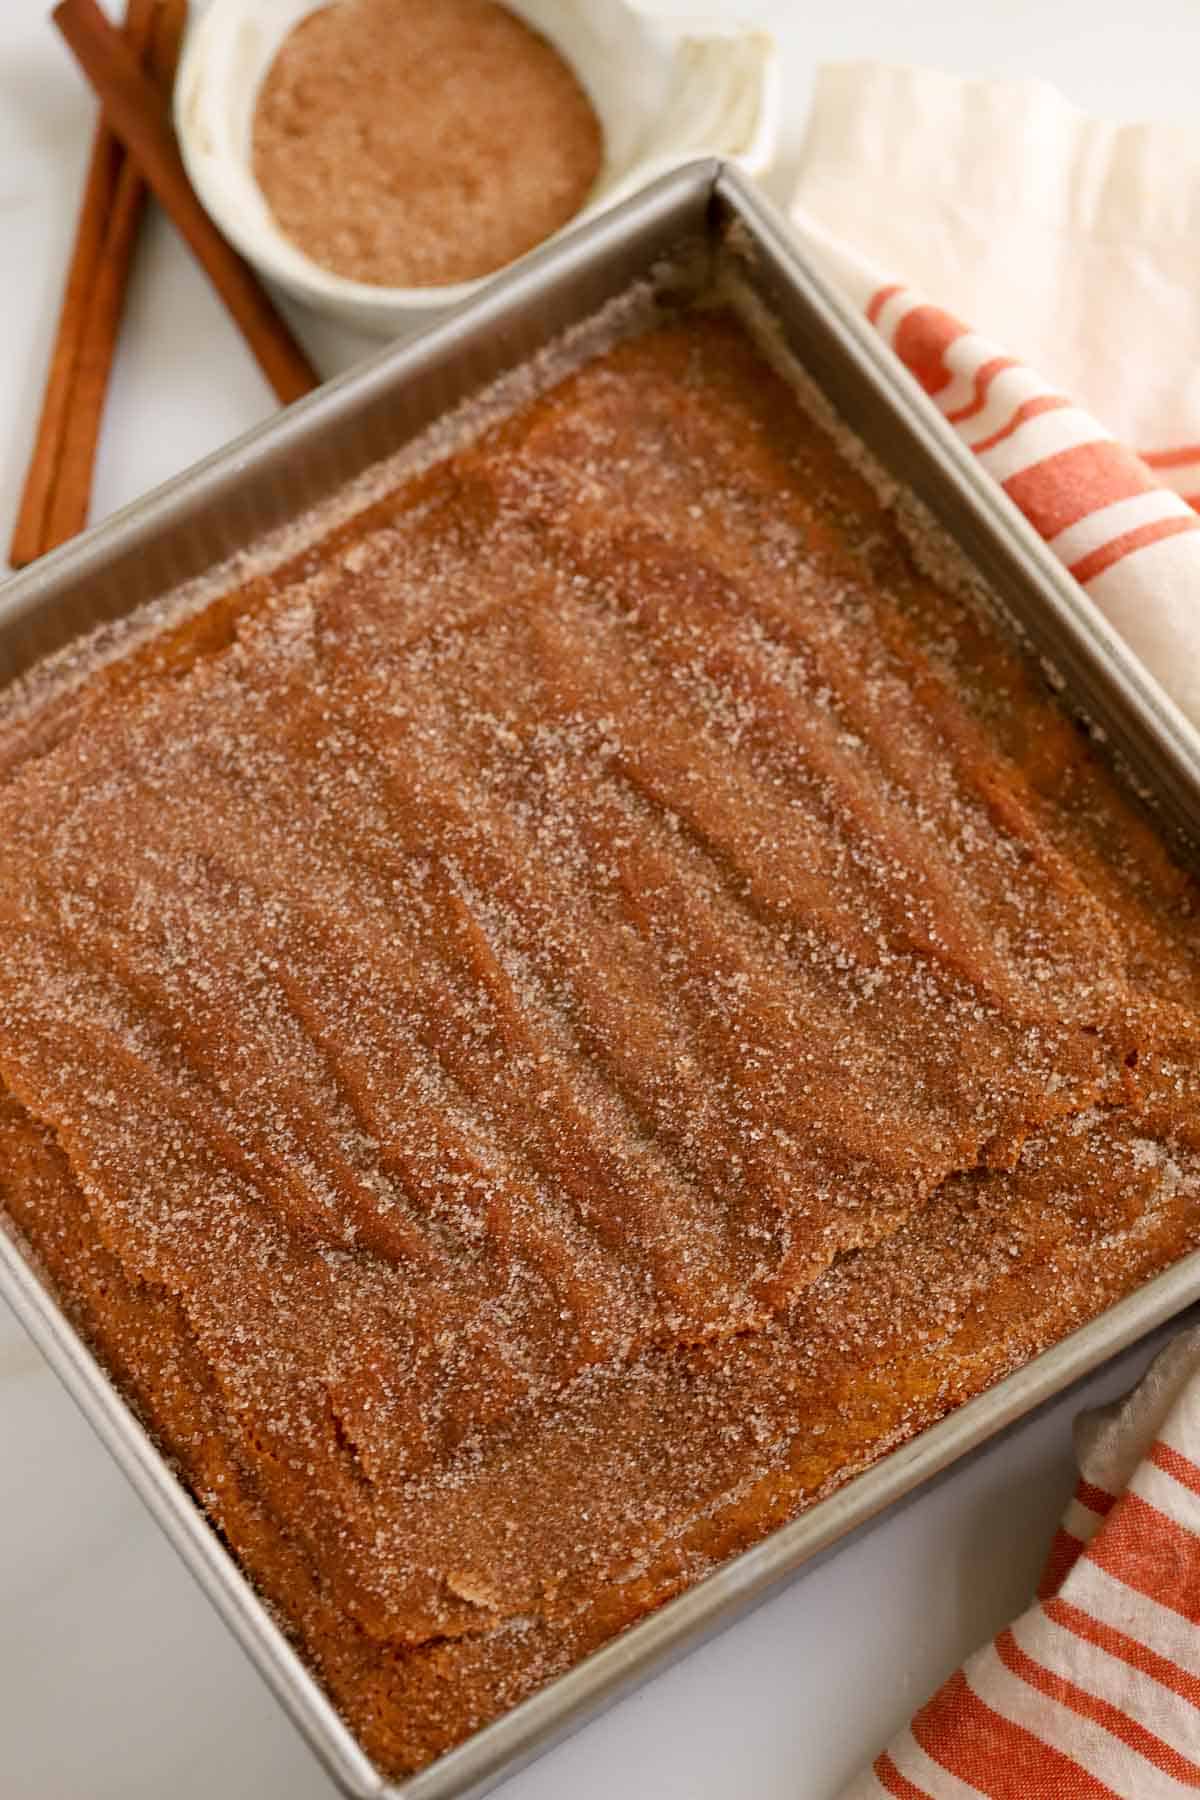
(384, 200)
(412, 143)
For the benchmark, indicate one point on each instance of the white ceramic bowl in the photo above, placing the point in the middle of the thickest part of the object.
(664, 92)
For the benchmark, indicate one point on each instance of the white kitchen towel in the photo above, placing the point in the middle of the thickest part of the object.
(1073, 248)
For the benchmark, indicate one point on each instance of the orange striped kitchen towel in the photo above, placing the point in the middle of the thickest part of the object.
(1071, 242)
(1095, 1691)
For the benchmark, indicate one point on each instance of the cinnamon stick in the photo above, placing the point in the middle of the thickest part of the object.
(99, 194)
(138, 115)
(70, 497)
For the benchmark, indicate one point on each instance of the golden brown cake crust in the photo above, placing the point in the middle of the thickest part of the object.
(544, 1036)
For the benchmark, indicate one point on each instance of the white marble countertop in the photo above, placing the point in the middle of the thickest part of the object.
(117, 1682)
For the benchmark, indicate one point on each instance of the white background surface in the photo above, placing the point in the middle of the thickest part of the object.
(116, 1679)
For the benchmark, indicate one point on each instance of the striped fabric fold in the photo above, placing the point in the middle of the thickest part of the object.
(1131, 542)
(1095, 1691)
(950, 182)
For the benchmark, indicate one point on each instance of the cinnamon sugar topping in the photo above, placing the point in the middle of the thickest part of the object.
(546, 1033)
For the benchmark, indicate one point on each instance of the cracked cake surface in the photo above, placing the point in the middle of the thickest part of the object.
(544, 1034)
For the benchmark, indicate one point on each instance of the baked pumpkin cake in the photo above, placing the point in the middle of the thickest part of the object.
(548, 1032)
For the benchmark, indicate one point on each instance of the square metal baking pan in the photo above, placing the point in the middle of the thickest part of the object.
(275, 472)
